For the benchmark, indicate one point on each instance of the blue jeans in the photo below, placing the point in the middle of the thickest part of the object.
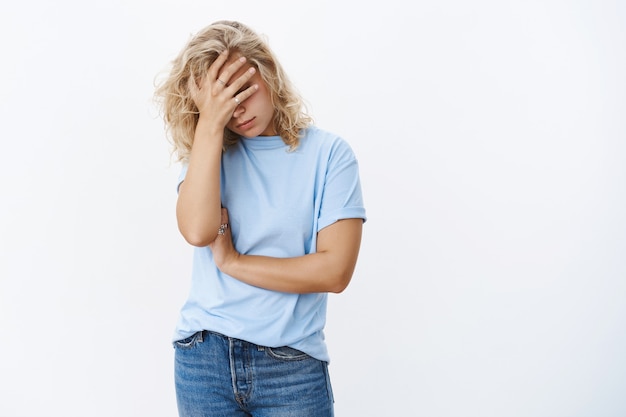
(221, 376)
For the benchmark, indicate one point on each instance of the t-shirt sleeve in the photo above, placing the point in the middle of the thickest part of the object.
(342, 196)
(181, 177)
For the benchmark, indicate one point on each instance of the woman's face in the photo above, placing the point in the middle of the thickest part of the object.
(255, 115)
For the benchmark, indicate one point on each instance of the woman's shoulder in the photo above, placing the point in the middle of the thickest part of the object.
(323, 145)
(320, 138)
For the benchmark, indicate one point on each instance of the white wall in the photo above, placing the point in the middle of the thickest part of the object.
(492, 142)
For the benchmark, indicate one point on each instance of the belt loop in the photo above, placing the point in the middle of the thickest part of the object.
(200, 338)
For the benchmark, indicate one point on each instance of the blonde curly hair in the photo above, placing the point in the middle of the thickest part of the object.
(181, 114)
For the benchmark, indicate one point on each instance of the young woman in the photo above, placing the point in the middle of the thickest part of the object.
(274, 209)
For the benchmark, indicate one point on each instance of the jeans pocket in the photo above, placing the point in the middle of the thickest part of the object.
(286, 353)
(189, 342)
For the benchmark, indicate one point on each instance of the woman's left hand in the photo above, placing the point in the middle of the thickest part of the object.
(222, 247)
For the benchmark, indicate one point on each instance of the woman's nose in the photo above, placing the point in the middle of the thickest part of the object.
(239, 110)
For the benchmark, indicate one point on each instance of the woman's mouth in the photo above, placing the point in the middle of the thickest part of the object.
(246, 124)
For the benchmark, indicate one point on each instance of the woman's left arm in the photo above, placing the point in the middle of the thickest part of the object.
(329, 269)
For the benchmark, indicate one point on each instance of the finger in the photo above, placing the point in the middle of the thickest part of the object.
(224, 215)
(245, 94)
(241, 90)
(216, 66)
(192, 86)
(227, 73)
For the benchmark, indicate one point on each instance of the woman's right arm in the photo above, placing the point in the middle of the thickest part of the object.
(198, 209)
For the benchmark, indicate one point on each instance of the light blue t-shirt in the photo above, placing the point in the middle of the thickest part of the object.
(277, 201)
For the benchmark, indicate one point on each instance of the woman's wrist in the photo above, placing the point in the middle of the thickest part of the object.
(206, 128)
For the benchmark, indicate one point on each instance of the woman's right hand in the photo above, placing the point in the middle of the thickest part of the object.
(218, 93)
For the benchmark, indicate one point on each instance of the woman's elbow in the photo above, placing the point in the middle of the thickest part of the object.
(339, 282)
(197, 238)
(339, 273)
